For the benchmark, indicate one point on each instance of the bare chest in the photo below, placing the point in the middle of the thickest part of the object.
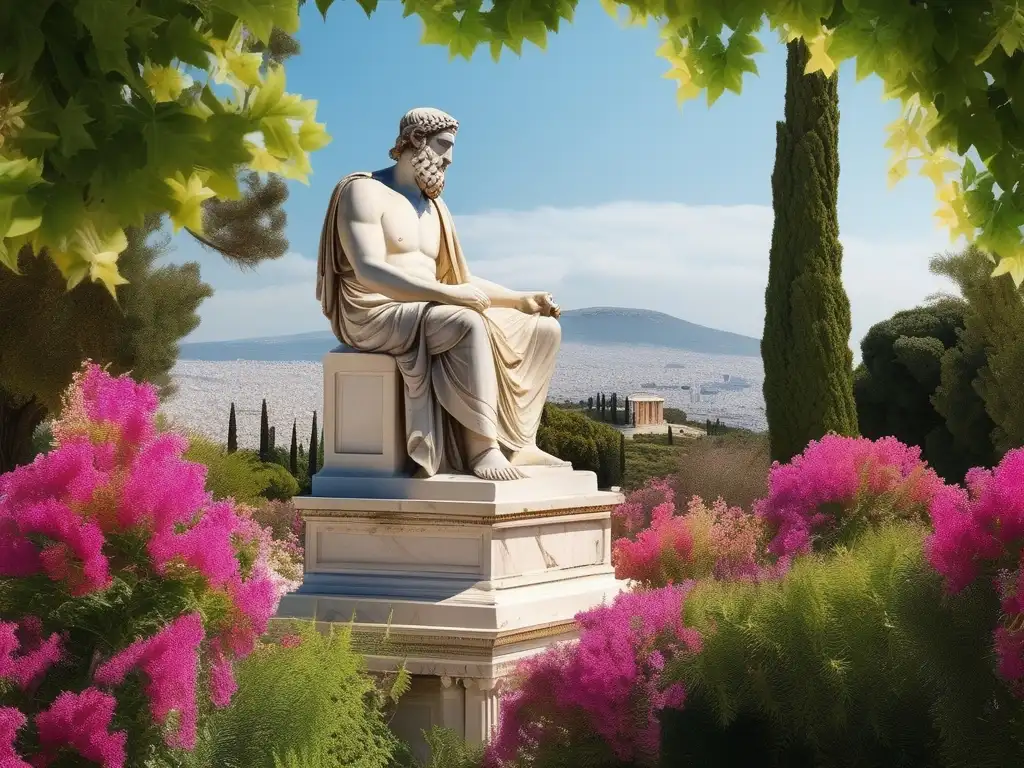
(408, 232)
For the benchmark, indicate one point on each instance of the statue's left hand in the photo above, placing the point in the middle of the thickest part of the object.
(542, 303)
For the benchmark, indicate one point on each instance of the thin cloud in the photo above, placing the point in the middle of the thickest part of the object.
(706, 264)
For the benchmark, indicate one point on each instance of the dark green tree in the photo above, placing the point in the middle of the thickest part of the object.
(272, 440)
(625, 411)
(47, 331)
(232, 431)
(707, 429)
(264, 433)
(916, 374)
(808, 386)
(313, 435)
(615, 408)
(995, 312)
(587, 444)
(320, 454)
(670, 435)
(293, 456)
(590, 404)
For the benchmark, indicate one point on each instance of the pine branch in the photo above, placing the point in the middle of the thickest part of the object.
(250, 230)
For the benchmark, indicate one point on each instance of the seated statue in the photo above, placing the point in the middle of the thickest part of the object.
(476, 358)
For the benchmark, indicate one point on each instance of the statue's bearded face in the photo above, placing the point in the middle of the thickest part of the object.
(430, 161)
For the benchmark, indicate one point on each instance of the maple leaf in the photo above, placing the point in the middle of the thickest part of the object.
(71, 122)
(819, 60)
(897, 171)
(190, 194)
(1012, 266)
(262, 161)
(166, 83)
(93, 253)
(937, 166)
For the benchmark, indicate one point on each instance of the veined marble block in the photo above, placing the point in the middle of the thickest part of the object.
(458, 583)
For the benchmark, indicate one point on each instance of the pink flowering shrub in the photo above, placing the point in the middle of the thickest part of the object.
(663, 547)
(979, 533)
(136, 591)
(840, 485)
(606, 688)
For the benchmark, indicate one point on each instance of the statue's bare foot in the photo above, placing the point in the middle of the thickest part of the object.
(532, 456)
(492, 465)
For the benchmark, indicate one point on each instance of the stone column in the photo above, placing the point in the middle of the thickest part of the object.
(453, 706)
(481, 709)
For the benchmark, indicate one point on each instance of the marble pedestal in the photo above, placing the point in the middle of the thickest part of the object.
(463, 577)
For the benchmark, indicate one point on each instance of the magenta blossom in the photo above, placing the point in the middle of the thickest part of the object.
(81, 722)
(169, 662)
(839, 484)
(607, 683)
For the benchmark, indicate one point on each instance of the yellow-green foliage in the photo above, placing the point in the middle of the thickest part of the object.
(310, 706)
(280, 485)
(646, 459)
(855, 658)
(238, 475)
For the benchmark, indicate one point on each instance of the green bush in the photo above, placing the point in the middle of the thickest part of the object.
(241, 475)
(311, 705)
(854, 659)
(589, 445)
(280, 485)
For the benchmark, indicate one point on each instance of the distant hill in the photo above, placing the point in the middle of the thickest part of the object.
(594, 325)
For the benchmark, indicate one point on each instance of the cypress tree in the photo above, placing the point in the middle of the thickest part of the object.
(320, 454)
(273, 440)
(615, 408)
(264, 433)
(625, 411)
(707, 430)
(670, 435)
(808, 384)
(232, 431)
(590, 404)
(293, 456)
(603, 413)
(312, 448)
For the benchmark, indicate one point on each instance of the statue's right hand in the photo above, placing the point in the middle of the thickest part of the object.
(467, 295)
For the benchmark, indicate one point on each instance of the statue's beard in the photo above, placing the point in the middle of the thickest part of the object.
(429, 171)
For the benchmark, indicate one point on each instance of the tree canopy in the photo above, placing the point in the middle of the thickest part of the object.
(47, 331)
(98, 124)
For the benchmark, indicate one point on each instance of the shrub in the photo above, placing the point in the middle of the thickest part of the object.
(660, 546)
(979, 535)
(237, 476)
(588, 444)
(859, 654)
(279, 483)
(133, 590)
(306, 701)
(597, 701)
(851, 659)
(838, 486)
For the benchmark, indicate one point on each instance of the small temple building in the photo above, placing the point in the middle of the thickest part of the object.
(647, 410)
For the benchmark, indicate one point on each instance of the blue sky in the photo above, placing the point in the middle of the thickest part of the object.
(576, 172)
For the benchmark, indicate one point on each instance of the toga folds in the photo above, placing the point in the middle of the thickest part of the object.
(487, 372)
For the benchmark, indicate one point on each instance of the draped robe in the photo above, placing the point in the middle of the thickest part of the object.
(485, 372)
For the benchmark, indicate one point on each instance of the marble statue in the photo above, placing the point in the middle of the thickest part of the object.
(476, 358)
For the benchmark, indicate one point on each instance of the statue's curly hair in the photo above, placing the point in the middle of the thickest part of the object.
(418, 125)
